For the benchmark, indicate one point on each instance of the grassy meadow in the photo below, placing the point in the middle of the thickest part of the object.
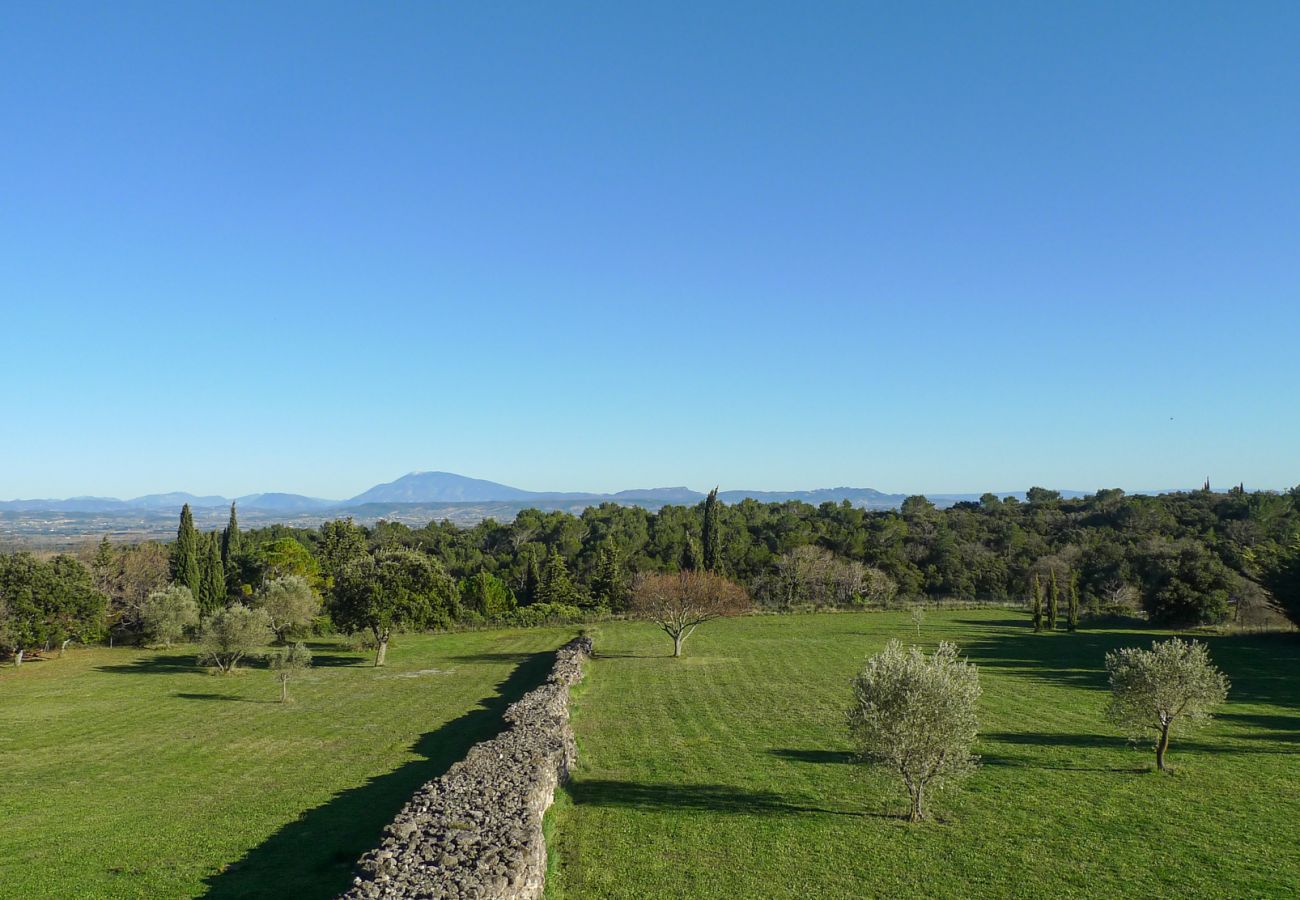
(132, 773)
(729, 774)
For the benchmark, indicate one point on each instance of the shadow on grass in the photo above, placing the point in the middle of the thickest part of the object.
(1021, 762)
(489, 657)
(820, 757)
(718, 798)
(315, 855)
(156, 665)
(234, 697)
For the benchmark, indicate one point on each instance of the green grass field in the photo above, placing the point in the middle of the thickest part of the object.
(127, 773)
(728, 773)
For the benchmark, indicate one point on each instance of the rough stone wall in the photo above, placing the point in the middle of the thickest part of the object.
(476, 832)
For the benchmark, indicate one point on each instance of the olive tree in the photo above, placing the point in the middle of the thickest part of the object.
(289, 604)
(915, 716)
(1172, 683)
(167, 613)
(230, 634)
(681, 602)
(287, 663)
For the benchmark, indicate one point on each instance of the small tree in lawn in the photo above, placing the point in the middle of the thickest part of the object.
(917, 616)
(915, 715)
(168, 613)
(682, 601)
(287, 664)
(289, 603)
(1172, 683)
(230, 634)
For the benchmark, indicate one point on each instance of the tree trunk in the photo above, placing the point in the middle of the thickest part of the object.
(918, 810)
(677, 645)
(1162, 747)
(63, 648)
(284, 690)
(18, 657)
(381, 651)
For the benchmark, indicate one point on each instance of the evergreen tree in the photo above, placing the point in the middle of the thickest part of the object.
(1053, 601)
(532, 585)
(557, 586)
(607, 581)
(690, 555)
(711, 538)
(212, 579)
(1038, 604)
(1072, 606)
(185, 553)
(232, 544)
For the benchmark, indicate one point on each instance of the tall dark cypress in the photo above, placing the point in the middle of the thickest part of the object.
(212, 580)
(185, 553)
(532, 580)
(1072, 605)
(1053, 601)
(1038, 604)
(712, 549)
(231, 546)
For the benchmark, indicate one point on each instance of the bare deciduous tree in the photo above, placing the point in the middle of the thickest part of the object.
(915, 716)
(681, 602)
(1152, 690)
(287, 663)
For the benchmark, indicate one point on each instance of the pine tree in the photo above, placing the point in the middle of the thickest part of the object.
(1038, 604)
(1053, 601)
(232, 544)
(711, 539)
(607, 581)
(185, 553)
(212, 580)
(1072, 605)
(557, 586)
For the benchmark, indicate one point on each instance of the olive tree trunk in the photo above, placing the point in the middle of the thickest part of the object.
(1162, 747)
(18, 658)
(381, 651)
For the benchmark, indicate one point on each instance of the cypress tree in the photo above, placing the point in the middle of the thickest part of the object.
(1072, 605)
(690, 555)
(607, 580)
(232, 544)
(1053, 601)
(532, 585)
(712, 547)
(212, 581)
(1038, 604)
(185, 553)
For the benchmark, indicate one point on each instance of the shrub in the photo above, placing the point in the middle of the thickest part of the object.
(167, 614)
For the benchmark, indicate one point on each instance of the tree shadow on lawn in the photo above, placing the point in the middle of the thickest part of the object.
(155, 665)
(315, 855)
(1113, 742)
(719, 798)
(234, 697)
(821, 757)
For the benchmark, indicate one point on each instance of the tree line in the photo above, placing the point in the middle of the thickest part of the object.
(1182, 559)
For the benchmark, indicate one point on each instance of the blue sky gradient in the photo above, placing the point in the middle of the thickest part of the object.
(918, 247)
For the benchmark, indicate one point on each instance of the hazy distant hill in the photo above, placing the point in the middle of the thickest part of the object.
(437, 487)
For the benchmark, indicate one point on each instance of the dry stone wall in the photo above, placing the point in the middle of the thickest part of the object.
(476, 832)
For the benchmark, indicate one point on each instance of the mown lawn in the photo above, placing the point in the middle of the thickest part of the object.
(728, 773)
(130, 773)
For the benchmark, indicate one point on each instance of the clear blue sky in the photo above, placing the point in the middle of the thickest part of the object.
(310, 247)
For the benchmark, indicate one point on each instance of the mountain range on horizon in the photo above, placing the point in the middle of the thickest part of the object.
(422, 488)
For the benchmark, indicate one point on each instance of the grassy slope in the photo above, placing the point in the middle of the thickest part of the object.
(727, 774)
(131, 773)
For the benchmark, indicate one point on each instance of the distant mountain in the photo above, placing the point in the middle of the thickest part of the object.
(438, 487)
(175, 500)
(284, 502)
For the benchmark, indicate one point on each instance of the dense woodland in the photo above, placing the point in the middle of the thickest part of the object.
(1181, 559)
